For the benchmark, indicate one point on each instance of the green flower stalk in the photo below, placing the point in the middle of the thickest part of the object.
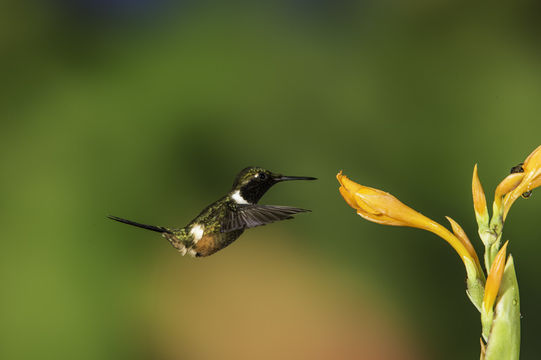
(495, 294)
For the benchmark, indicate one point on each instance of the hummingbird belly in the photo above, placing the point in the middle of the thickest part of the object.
(211, 243)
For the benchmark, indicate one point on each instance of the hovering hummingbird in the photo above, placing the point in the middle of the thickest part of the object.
(223, 221)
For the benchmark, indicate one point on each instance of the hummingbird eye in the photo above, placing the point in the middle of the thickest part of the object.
(262, 176)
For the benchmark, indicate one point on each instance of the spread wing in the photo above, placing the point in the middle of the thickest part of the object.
(248, 216)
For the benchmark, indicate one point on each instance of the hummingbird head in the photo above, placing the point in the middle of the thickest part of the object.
(253, 182)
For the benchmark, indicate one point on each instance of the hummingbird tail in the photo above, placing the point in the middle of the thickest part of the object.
(159, 229)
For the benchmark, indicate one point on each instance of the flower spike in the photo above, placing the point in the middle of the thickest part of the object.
(496, 296)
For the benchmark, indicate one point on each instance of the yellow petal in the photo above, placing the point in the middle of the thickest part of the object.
(349, 190)
(479, 199)
(461, 235)
(510, 188)
(350, 186)
(350, 199)
(367, 193)
(531, 179)
(380, 202)
(532, 167)
(494, 279)
(528, 182)
(509, 199)
(508, 184)
(380, 219)
(533, 160)
(451, 239)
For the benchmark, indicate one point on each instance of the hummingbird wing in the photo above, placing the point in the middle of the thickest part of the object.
(249, 216)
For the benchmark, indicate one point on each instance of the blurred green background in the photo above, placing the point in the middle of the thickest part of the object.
(147, 110)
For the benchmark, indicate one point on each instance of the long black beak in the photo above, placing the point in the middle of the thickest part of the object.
(287, 178)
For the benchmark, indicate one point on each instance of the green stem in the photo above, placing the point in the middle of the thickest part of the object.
(492, 246)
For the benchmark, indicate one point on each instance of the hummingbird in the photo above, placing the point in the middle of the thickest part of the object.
(223, 221)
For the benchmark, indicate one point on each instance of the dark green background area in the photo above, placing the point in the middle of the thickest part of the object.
(149, 111)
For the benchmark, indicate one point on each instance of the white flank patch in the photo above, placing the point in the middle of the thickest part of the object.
(192, 252)
(237, 197)
(182, 251)
(197, 232)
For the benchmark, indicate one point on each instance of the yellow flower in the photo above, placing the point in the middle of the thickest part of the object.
(383, 208)
(494, 279)
(530, 179)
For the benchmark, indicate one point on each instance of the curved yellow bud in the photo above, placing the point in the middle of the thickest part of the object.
(507, 185)
(350, 191)
(383, 208)
(479, 198)
(533, 160)
(494, 279)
